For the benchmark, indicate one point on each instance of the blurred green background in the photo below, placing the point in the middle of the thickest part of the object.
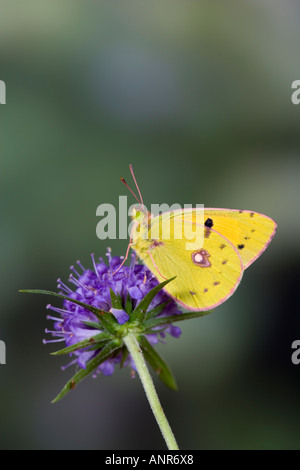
(197, 96)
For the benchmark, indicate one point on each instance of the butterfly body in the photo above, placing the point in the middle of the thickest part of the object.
(209, 270)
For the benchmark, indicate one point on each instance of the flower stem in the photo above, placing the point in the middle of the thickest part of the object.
(138, 358)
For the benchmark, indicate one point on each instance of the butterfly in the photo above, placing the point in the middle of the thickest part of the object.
(207, 271)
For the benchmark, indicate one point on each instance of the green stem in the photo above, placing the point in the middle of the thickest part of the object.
(138, 358)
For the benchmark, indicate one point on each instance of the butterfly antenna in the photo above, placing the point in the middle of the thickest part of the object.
(123, 181)
(137, 187)
(140, 201)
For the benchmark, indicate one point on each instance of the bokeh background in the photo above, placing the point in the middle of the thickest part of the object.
(197, 96)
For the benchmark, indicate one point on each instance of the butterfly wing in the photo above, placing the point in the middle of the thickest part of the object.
(250, 232)
(205, 277)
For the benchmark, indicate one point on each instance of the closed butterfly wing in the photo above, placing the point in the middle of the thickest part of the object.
(250, 232)
(205, 276)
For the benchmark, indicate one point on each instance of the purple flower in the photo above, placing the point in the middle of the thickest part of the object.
(130, 284)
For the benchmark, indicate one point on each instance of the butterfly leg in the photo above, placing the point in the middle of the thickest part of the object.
(126, 256)
(127, 251)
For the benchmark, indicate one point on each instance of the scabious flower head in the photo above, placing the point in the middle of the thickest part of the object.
(111, 290)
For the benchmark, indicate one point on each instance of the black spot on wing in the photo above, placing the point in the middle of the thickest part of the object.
(224, 261)
(208, 223)
(251, 214)
(240, 247)
(222, 246)
(216, 283)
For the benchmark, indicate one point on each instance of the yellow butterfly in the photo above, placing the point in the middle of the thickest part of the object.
(207, 274)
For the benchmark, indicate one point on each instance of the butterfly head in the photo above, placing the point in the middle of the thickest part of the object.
(140, 214)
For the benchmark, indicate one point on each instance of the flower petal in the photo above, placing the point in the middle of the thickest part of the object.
(107, 368)
(135, 293)
(121, 316)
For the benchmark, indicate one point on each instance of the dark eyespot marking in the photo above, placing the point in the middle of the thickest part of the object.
(193, 293)
(253, 230)
(205, 290)
(208, 223)
(240, 247)
(222, 246)
(225, 261)
(217, 283)
(246, 238)
(200, 258)
(251, 214)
